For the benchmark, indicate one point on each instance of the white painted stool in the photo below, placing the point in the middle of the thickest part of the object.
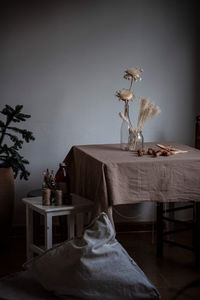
(75, 213)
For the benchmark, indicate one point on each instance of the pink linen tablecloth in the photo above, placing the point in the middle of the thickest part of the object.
(109, 176)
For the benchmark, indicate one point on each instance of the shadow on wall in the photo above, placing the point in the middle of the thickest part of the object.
(62, 60)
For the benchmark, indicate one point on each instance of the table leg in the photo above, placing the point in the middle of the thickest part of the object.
(110, 216)
(29, 232)
(70, 226)
(89, 217)
(159, 229)
(48, 231)
(197, 233)
(79, 224)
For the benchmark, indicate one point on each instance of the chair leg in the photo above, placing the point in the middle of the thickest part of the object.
(159, 229)
(170, 225)
(197, 233)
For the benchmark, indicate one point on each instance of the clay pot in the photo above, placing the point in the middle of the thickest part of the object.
(6, 202)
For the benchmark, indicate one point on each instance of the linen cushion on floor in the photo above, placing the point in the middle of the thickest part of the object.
(93, 267)
(22, 286)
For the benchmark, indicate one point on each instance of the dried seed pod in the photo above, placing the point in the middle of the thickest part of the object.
(158, 153)
(144, 152)
(166, 153)
(150, 151)
(154, 152)
(140, 152)
(171, 152)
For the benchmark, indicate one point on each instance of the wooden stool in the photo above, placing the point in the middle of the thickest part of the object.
(75, 214)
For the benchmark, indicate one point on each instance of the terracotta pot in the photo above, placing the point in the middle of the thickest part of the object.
(6, 202)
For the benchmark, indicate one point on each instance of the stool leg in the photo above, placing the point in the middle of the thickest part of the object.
(63, 227)
(70, 227)
(29, 232)
(89, 217)
(79, 224)
(159, 229)
(36, 228)
(197, 233)
(48, 231)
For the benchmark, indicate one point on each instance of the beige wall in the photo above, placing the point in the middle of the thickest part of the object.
(64, 60)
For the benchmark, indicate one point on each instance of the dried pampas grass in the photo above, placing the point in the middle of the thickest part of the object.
(147, 111)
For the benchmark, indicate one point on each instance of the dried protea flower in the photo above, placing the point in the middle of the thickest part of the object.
(125, 95)
(134, 73)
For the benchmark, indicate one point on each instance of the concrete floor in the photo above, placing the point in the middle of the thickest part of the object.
(169, 274)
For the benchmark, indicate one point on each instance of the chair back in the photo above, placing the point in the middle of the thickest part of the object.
(197, 139)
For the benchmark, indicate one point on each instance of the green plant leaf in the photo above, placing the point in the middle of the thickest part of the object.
(9, 155)
(20, 117)
(8, 110)
(18, 108)
(27, 135)
(2, 124)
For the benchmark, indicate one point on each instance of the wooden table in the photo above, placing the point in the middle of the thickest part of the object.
(109, 176)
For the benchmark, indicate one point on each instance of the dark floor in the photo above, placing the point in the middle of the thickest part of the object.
(169, 274)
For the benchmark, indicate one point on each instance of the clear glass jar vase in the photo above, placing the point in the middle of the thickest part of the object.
(136, 141)
(125, 129)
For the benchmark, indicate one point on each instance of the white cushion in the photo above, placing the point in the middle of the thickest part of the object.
(93, 267)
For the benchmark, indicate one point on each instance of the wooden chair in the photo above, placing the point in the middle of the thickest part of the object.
(168, 215)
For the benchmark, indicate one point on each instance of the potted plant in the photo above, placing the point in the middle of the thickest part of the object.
(12, 163)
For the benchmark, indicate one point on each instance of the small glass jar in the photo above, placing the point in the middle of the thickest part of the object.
(136, 141)
(140, 141)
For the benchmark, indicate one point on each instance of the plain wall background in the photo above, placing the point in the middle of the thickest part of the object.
(64, 61)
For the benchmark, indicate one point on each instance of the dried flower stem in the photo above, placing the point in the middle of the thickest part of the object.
(131, 84)
(127, 121)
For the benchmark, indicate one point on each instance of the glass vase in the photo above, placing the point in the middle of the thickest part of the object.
(136, 141)
(125, 129)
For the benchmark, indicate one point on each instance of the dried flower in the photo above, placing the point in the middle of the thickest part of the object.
(134, 73)
(147, 111)
(147, 108)
(125, 95)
